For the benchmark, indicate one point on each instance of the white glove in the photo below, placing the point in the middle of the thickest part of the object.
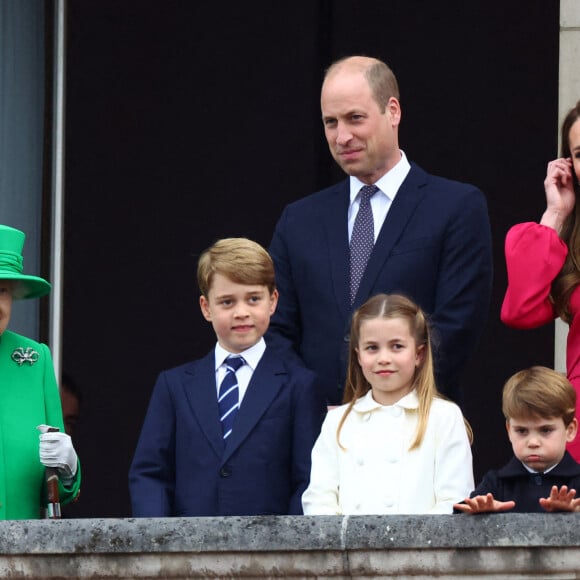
(56, 450)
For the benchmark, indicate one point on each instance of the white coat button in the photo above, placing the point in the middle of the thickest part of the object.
(396, 411)
(360, 461)
(367, 417)
(389, 502)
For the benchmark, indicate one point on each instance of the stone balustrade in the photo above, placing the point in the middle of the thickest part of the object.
(459, 546)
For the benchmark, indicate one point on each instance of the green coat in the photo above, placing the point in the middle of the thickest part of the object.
(28, 397)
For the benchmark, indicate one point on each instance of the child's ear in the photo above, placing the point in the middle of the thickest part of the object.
(420, 356)
(571, 430)
(204, 305)
(273, 301)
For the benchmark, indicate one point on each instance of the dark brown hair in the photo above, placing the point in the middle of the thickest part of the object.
(569, 276)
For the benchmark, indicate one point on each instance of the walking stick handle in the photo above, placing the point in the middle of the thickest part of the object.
(52, 496)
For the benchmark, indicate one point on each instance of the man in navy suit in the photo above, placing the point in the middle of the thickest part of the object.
(230, 434)
(432, 238)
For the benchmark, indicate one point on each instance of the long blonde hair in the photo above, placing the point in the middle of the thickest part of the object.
(392, 306)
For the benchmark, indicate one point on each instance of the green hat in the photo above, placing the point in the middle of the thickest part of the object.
(11, 244)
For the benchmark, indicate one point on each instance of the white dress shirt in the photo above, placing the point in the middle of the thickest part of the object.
(252, 357)
(376, 473)
(388, 186)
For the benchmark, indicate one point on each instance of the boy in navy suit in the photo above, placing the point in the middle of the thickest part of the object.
(539, 405)
(231, 433)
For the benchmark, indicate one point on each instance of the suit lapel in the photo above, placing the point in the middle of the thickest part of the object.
(200, 391)
(408, 197)
(336, 220)
(266, 381)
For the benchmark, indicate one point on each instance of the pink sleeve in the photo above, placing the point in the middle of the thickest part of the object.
(534, 255)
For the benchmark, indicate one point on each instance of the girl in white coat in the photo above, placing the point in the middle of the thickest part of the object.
(396, 446)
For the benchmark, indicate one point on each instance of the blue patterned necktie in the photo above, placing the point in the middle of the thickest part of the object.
(229, 395)
(362, 239)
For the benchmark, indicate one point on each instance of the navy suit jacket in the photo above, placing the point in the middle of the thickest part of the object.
(434, 247)
(183, 467)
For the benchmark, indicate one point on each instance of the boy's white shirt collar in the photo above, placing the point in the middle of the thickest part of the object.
(251, 355)
(536, 471)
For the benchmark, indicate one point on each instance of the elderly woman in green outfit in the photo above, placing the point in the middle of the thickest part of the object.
(29, 401)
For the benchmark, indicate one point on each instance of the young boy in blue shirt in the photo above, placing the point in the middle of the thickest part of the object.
(539, 406)
(231, 433)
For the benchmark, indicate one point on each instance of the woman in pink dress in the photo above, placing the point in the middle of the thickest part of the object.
(543, 260)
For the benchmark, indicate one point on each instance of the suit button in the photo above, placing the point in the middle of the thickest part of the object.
(346, 338)
(224, 472)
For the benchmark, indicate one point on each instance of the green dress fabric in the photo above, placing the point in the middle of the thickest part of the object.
(28, 397)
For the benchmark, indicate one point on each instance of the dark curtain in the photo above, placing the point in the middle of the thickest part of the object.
(192, 121)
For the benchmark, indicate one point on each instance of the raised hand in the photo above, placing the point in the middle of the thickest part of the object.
(482, 504)
(560, 197)
(561, 500)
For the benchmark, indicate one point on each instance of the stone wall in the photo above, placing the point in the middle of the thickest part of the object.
(460, 546)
